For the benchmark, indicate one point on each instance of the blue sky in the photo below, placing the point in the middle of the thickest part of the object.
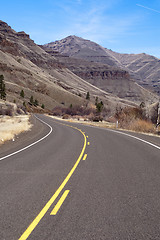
(121, 25)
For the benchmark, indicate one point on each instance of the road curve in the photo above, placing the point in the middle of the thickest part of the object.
(80, 183)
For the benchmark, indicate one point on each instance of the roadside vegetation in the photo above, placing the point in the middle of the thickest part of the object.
(129, 118)
(2, 88)
(94, 113)
(135, 119)
(10, 127)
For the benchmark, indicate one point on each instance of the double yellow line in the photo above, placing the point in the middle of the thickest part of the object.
(35, 222)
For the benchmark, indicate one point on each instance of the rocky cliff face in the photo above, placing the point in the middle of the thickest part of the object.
(88, 60)
(20, 44)
(143, 69)
(27, 66)
(83, 49)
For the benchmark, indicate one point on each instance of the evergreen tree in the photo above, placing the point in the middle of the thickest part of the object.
(2, 88)
(31, 100)
(24, 104)
(42, 106)
(22, 93)
(99, 106)
(96, 101)
(88, 96)
(36, 103)
(142, 105)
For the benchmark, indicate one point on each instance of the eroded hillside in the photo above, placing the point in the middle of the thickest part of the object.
(99, 67)
(28, 66)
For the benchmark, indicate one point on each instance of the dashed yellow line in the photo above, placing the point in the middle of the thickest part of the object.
(85, 156)
(35, 222)
(88, 143)
(60, 202)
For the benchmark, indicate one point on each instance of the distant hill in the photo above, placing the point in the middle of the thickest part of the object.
(103, 68)
(46, 77)
(77, 47)
(143, 68)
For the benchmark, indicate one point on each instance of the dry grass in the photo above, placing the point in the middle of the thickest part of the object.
(142, 126)
(12, 126)
(134, 119)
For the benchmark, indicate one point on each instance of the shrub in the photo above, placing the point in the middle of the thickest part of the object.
(58, 111)
(2, 88)
(140, 125)
(72, 111)
(24, 104)
(133, 119)
(42, 106)
(99, 106)
(36, 103)
(9, 112)
(95, 117)
(127, 115)
(65, 116)
(31, 100)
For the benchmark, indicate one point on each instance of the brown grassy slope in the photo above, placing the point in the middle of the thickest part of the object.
(27, 66)
(33, 81)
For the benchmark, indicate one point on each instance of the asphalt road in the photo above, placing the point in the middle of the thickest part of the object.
(113, 194)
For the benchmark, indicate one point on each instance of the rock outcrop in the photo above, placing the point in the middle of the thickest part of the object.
(92, 62)
(143, 68)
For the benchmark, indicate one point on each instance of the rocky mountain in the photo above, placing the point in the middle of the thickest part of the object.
(144, 68)
(77, 47)
(44, 76)
(99, 67)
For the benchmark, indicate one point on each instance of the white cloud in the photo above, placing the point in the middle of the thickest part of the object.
(150, 9)
(98, 26)
(95, 21)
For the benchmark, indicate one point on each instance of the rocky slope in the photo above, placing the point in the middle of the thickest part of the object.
(144, 68)
(99, 67)
(77, 47)
(28, 66)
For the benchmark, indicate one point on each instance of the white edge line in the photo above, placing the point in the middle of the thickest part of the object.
(22, 149)
(137, 138)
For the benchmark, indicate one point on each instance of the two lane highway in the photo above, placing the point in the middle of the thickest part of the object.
(84, 183)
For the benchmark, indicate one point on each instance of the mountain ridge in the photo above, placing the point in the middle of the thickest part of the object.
(143, 68)
(88, 60)
(27, 66)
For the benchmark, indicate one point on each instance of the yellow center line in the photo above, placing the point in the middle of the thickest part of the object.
(35, 222)
(85, 156)
(60, 202)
